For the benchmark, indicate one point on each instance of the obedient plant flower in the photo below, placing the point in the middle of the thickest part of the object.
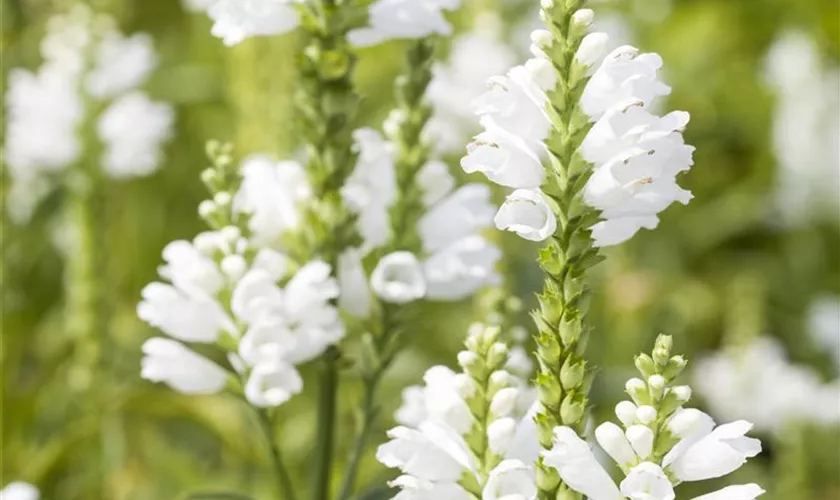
(237, 20)
(758, 382)
(659, 443)
(635, 156)
(237, 292)
(401, 19)
(85, 60)
(460, 436)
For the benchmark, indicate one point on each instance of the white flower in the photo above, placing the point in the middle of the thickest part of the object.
(526, 213)
(398, 278)
(641, 439)
(355, 295)
(191, 318)
(647, 481)
(624, 74)
(413, 488)
(372, 187)
(740, 492)
(592, 49)
(271, 193)
(442, 401)
(458, 215)
(236, 20)
(500, 434)
(460, 269)
(504, 158)
(436, 181)
(180, 368)
(121, 64)
(397, 19)
(19, 490)
(412, 411)
(432, 453)
(705, 455)
(190, 270)
(272, 384)
(510, 480)
(578, 467)
(133, 128)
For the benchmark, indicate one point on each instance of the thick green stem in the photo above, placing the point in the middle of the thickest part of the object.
(285, 487)
(563, 380)
(368, 413)
(328, 386)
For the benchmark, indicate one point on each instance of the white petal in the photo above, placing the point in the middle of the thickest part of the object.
(180, 368)
(355, 295)
(615, 443)
(272, 384)
(511, 479)
(647, 481)
(578, 467)
(398, 278)
(739, 492)
(526, 213)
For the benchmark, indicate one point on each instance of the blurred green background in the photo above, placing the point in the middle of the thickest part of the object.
(731, 266)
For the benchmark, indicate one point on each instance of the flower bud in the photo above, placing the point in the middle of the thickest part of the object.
(500, 379)
(222, 199)
(686, 422)
(646, 414)
(583, 18)
(641, 439)
(470, 363)
(644, 364)
(615, 443)
(592, 49)
(207, 209)
(662, 350)
(500, 434)
(504, 402)
(656, 385)
(464, 385)
(541, 38)
(674, 367)
(571, 375)
(626, 412)
(230, 234)
(210, 177)
(682, 393)
(571, 411)
(497, 355)
(547, 4)
(234, 266)
(549, 389)
(638, 390)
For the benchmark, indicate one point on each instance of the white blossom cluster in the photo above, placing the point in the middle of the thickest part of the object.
(456, 260)
(88, 65)
(223, 290)
(636, 155)
(19, 491)
(430, 447)
(759, 382)
(237, 20)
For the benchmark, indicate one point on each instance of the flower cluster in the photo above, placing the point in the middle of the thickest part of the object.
(237, 20)
(90, 72)
(635, 155)
(461, 434)
(659, 443)
(230, 289)
(758, 382)
(456, 260)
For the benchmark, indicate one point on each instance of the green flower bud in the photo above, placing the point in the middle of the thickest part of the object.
(499, 379)
(549, 389)
(571, 375)
(571, 410)
(547, 479)
(674, 367)
(497, 356)
(334, 64)
(656, 387)
(471, 364)
(638, 391)
(645, 365)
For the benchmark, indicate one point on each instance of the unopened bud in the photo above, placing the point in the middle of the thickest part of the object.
(497, 355)
(471, 363)
(571, 411)
(571, 374)
(210, 178)
(504, 402)
(656, 384)
(222, 199)
(500, 434)
(230, 234)
(686, 422)
(682, 392)
(626, 412)
(644, 364)
(646, 414)
(207, 209)
(234, 266)
(638, 390)
(464, 385)
(500, 379)
(615, 443)
(583, 17)
(641, 439)
(674, 367)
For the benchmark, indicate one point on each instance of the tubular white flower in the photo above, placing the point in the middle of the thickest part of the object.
(613, 441)
(133, 128)
(19, 490)
(398, 278)
(626, 412)
(739, 492)
(458, 215)
(503, 158)
(578, 467)
(436, 181)
(272, 384)
(504, 402)
(413, 488)
(190, 270)
(355, 297)
(270, 193)
(459, 270)
(500, 435)
(401, 19)
(121, 64)
(510, 480)
(183, 316)
(647, 481)
(432, 453)
(237, 20)
(624, 74)
(713, 455)
(526, 213)
(180, 368)
(592, 49)
(412, 411)
(442, 401)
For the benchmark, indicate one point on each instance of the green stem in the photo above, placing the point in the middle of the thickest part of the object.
(369, 412)
(328, 384)
(281, 474)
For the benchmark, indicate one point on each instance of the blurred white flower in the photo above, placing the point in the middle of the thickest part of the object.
(271, 193)
(759, 383)
(806, 128)
(400, 19)
(19, 490)
(197, 5)
(355, 295)
(271, 384)
(237, 20)
(458, 215)
(133, 129)
(708, 454)
(398, 278)
(121, 64)
(824, 325)
(183, 370)
(459, 270)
